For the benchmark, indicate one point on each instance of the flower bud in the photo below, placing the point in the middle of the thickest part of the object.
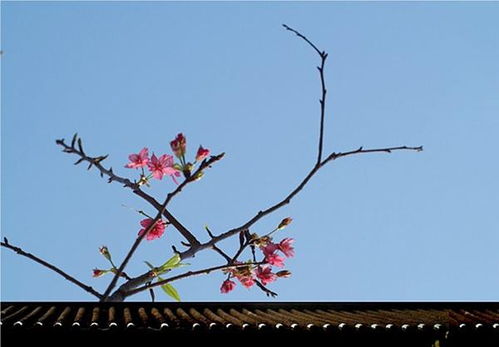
(178, 145)
(285, 222)
(143, 180)
(105, 252)
(99, 272)
(227, 286)
(199, 175)
(283, 274)
(202, 153)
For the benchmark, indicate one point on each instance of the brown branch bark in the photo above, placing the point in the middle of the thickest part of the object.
(323, 55)
(185, 275)
(135, 187)
(70, 278)
(195, 248)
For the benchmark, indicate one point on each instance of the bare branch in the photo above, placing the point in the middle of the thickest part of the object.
(194, 249)
(267, 291)
(161, 210)
(112, 177)
(51, 267)
(139, 283)
(131, 251)
(223, 254)
(322, 101)
(304, 38)
(188, 274)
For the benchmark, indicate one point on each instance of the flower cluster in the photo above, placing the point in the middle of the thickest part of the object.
(164, 165)
(274, 255)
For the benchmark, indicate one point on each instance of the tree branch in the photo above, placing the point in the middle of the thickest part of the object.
(131, 287)
(333, 156)
(195, 248)
(131, 251)
(187, 274)
(135, 187)
(51, 267)
(266, 290)
(322, 101)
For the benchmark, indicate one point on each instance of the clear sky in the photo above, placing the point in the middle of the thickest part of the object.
(401, 226)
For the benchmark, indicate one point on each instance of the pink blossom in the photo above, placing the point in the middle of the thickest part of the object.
(155, 232)
(178, 145)
(269, 249)
(264, 273)
(246, 281)
(138, 160)
(202, 153)
(286, 248)
(162, 166)
(274, 259)
(227, 286)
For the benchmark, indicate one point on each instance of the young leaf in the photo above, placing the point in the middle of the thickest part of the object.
(169, 290)
(171, 263)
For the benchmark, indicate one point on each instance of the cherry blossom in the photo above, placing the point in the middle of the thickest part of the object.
(227, 286)
(286, 248)
(247, 281)
(162, 166)
(269, 248)
(264, 274)
(274, 259)
(155, 232)
(138, 160)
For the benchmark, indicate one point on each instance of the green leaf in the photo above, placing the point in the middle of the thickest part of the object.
(169, 290)
(171, 263)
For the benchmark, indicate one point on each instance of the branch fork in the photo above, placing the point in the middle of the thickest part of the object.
(143, 282)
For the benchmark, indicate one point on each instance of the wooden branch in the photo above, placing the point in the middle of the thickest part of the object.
(70, 278)
(132, 251)
(323, 55)
(135, 187)
(267, 291)
(195, 248)
(187, 274)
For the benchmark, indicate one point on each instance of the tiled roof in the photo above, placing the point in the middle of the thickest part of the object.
(429, 321)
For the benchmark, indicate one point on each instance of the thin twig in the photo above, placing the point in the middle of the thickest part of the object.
(303, 37)
(188, 274)
(223, 254)
(322, 101)
(161, 210)
(112, 177)
(51, 267)
(267, 291)
(195, 248)
(131, 251)
(135, 187)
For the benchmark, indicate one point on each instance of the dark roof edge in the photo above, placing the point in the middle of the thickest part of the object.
(338, 305)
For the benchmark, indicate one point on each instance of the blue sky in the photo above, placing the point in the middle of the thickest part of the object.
(404, 226)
